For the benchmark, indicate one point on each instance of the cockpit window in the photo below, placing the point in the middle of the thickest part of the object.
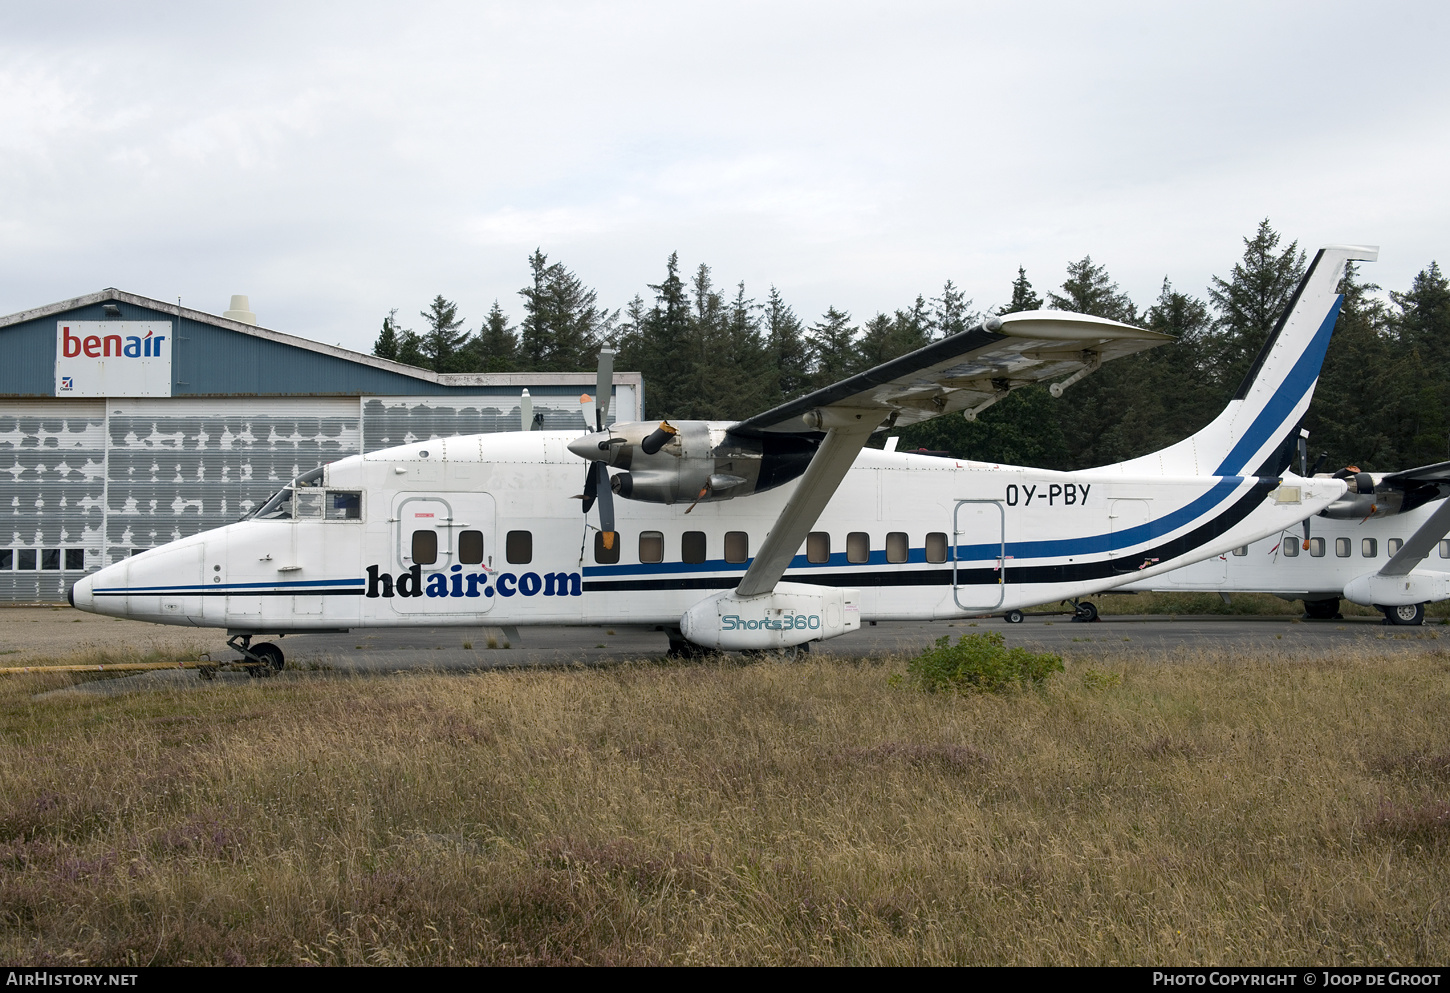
(308, 504)
(344, 505)
(279, 508)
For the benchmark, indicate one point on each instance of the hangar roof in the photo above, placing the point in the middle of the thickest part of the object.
(216, 356)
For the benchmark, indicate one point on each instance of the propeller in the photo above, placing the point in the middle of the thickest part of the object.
(526, 412)
(596, 479)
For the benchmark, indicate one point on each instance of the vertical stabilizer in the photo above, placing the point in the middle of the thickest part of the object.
(1256, 433)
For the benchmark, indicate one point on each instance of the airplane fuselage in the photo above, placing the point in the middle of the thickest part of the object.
(483, 530)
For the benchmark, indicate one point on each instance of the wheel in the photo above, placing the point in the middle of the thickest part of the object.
(270, 654)
(1013, 617)
(1407, 613)
(1085, 612)
(1322, 610)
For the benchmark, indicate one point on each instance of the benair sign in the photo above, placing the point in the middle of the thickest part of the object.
(113, 358)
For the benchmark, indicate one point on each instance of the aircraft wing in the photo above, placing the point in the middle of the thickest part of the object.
(967, 372)
(1428, 482)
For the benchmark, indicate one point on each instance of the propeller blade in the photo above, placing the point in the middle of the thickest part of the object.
(526, 412)
(605, 384)
(590, 488)
(606, 502)
(586, 406)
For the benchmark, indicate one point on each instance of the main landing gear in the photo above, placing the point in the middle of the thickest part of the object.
(1409, 613)
(1323, 610)
(1081, 611)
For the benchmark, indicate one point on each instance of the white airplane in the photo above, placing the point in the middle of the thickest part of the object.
(481, 529)
(1370, 546)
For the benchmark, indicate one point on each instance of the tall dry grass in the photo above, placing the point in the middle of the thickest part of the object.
(1204, 811)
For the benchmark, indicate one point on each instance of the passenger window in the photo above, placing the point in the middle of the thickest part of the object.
(7, 558)
(1341, 547)
(344, 505)
(818, 547)
(519, 547)
(1241, 551)
(737, 546)
(603, 555)
(75, 558)
(692, 547)
(1369, 547)
(1316, 547)
(50, 558)
(858, 547)
(26, 559)
(1395, 544)
(1291, 546)
(651, 546)
(936, 546)
(425, 547)
(1444, 549)
(470, 548)
(898, 546)
(309, 504)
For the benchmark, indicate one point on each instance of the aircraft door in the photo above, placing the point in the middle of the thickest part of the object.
(1128, 520)
(979, 554)
(443, 553)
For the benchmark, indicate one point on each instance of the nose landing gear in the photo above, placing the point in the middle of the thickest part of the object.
(265, 658)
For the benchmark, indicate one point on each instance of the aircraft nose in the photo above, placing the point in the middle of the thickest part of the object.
(587, 447)
(79, 594)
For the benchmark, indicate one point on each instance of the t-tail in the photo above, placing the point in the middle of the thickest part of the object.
(1257, 433)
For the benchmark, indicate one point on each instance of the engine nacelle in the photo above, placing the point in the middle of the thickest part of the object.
(1365, 498)
(791, 614)
(690, 461)
(1394, 591)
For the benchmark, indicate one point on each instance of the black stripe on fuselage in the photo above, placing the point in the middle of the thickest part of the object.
(1067, 572)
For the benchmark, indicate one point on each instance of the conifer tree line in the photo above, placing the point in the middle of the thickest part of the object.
(711, 352)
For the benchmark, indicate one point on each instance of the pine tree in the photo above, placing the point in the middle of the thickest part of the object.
(1368, 408)
(786, 351)
(495, 347)
(1090, 411)
(562, 328)
(1162, 393)
(1023, 296)
(658, 345)
(399, 343)
(952, 312)
(1089, 290)
(1250, 302)
(878, 341)
(444, 339)
(832, 344)
(386, 347)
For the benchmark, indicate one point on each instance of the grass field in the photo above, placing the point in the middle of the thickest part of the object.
(1214, 810)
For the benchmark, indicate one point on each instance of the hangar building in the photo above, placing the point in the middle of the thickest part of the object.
(127, 422)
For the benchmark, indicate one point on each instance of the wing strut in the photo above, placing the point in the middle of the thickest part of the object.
(1419, 544)
(846, 434)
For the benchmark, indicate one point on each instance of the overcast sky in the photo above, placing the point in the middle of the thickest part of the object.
(337, 160)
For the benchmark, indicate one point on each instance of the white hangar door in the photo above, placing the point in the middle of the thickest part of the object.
(444, 547)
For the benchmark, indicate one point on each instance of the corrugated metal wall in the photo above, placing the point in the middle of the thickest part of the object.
(52, 493)
(86, 483)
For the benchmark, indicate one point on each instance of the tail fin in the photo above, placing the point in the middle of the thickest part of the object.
(1257, 432)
